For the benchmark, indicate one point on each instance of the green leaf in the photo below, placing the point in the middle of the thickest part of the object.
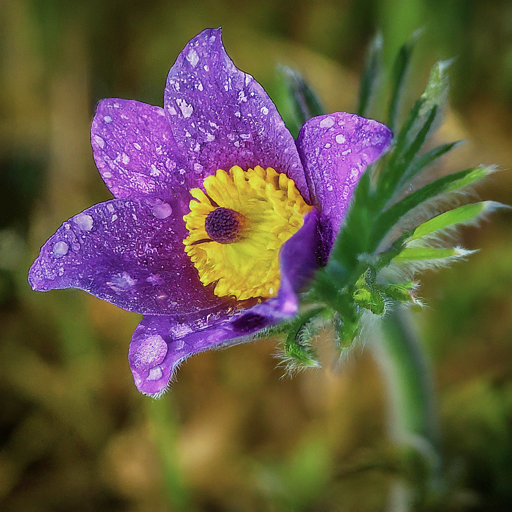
(402, 292)
(436, 92)
(370, 74)
(430, 253)
(425, 160)
(298, 352)
(462, 215)
(305, 103)
(440, 186)
(388, 183)
(399, 74)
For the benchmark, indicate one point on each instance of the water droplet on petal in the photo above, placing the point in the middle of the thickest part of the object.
(327, 122)
(193, 58)
(60, 249)
(185, 108)
(121, 282)
(155, 373)
(99, 141)
(151, 352)
(162, 210)
(84, 221)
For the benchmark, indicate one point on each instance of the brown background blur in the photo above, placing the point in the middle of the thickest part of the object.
(231, 435)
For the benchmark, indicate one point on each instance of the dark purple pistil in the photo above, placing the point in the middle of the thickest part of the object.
(224, 225)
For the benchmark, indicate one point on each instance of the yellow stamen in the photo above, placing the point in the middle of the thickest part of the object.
(272, 210)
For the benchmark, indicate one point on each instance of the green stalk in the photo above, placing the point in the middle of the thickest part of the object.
(164, 432)
(413, 418)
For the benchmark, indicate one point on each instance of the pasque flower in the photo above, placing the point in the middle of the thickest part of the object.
(219, 216)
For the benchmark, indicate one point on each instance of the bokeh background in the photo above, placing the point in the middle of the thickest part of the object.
(231, 435)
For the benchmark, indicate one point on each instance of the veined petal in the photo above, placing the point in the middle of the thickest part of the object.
(135, 151)
(129, 253)
(335, 150)
(161, 343)
(221, 117)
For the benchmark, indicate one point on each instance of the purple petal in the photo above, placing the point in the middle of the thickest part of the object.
(221, 117)
(134, 149)
(129, 253)
(335, 150)
(161, 343)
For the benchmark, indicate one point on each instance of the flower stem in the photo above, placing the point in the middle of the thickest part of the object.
(164, 431)
(413, 419)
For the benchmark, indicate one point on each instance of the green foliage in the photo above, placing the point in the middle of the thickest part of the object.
(388, 227)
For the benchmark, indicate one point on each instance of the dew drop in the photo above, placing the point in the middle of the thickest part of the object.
(162, 210)
(99, 141)
(327, 122)
(193, 58)
(151, 352)
(60, 249)
(155, 373)
(84, 221)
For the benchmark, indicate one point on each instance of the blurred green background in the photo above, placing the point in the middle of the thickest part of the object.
(231, 435)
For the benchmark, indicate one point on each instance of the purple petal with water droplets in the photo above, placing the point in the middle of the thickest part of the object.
(135, 151)
(161, 343)
(129, 253)
(335, 150)
(221, 117)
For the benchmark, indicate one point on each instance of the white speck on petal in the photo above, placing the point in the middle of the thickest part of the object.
(198, 167)
(171, 110)
(121, 282)
(185, 108)
(99, 141)
(210, 137)
(110, 207)
(242, 96)
(346, 152)
(137, 146)
(340, 139)
(193, 58)
(84, 221)
(107, 119)
(327, 122)
(162, 210)
(125, 158)
(327, 145)
(60, 249)
(206, 68)
(264, 110)
(200, 86)
(114, 218)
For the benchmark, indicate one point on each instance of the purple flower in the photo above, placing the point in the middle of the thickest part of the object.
(261, 210)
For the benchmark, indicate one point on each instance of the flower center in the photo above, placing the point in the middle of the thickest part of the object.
(237, 228)
(224, 225)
